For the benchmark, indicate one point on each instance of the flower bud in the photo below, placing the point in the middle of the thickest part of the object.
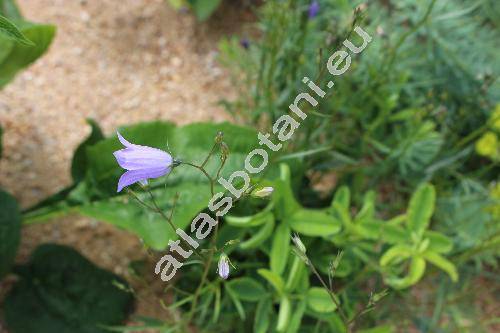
(298, 243)
(263, 192)
(223, 266)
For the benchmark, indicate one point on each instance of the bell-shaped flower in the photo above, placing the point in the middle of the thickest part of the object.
(141, 162)
(223, 266)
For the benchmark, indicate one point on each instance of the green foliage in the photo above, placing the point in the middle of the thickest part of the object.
(9, 30)
(21, 42)
(10, 231)
(203, 9)
(96, 174)
(61, 291)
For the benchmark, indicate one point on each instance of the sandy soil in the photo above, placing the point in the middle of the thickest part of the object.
(119, 62)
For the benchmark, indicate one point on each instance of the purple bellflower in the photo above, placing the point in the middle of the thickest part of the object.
(223, 266)
(314, 9)
(141, 163)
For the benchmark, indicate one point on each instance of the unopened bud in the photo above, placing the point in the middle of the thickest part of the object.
(298, 243)
(263, 192)
(223, 266)
(219, 137)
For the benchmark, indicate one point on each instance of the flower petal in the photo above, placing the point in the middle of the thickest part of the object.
(124, 141)
(133, 176)
(142, 157)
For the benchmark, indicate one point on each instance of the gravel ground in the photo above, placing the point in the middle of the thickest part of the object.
(119, 62)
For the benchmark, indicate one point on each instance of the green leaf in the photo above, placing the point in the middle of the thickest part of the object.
(415, 273)
(274, 279)
(314, 223)
(421, 208)
(61, 291)
(9, 9)
(125, 213)
(204, 8)
(285, 202)
(79, 163)
(442, 263)
(247, 289)
(17, 56)
(10, 231)
(260, 236)
(260, 218)
(439, 243)
(343, 197)
(394, 234)
(10, 30)
(396, 254)
(319, 300)
(262, 315)
(236, 302)
(280, 248)
(284, 314)
(297, 315)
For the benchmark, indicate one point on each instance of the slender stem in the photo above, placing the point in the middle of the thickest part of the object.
(332, 295)
(210, 179)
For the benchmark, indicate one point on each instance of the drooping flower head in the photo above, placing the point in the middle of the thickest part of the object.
(314, 9)
(141, 162)
(223, 266)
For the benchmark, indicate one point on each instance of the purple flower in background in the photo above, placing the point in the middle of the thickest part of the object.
(313, 9)
(245, 43)
(223, 266)
(141, 163)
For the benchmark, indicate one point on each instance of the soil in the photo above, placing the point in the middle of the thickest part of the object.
(118, 62)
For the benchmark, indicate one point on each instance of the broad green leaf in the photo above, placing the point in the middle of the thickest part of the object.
(394, 234)
(274, 279)
(79, 163)
(10, 231)
(319, 300)
(311, 222)
(262, 315)
(280, 248)
(246, 289)
(415, 273)
(442, 263)
(204, 8)
(421, 208)
(9, 30)
(439, 243)
(21, 55)
(126, 213)
(61, 291)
